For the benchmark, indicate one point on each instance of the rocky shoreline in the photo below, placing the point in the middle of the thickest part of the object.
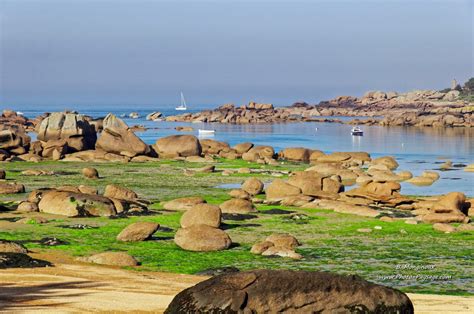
(424, 108)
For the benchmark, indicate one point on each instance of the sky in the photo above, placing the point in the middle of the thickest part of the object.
(145, 52)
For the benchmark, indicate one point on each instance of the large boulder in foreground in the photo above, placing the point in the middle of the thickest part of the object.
(202, 238)
(73, 204)
(178, 146)
(74, 128)
(118, 138)
(275, 291)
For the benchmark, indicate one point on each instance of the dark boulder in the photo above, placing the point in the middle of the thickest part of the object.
(274, 291)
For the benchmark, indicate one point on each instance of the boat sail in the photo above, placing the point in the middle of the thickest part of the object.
(182, 106)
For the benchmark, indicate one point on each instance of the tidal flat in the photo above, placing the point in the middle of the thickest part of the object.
(441, 263)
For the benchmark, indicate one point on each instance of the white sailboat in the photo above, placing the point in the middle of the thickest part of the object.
(182, 106)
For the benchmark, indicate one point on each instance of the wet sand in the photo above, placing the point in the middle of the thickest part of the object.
(72, 287)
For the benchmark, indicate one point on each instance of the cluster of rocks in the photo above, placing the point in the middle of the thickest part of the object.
(83, 201)
(417, 108)
(200, 229)
(278, 244)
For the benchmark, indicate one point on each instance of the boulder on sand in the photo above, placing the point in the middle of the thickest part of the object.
(138, 231)
(178, 146)
(261, 291)
(118, 138)
(202, 238)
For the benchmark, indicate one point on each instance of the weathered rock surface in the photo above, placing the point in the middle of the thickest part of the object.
(75, 204)
(118, 138)
(275, 291)
(253, 186)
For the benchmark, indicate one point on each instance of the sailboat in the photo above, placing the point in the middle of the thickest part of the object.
(183, 104)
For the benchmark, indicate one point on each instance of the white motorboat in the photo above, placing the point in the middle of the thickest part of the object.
(206, 132)
(356, 131)
(182, 106)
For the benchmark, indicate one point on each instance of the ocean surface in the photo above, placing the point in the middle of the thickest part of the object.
(416, 149)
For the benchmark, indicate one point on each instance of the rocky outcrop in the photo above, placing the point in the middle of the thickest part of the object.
(277, 244)
(260, 291)
(118, 138)
(73, 128)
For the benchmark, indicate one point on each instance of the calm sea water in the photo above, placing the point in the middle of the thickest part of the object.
(416, 149)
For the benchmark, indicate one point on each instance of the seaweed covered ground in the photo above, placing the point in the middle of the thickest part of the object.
(413, 258)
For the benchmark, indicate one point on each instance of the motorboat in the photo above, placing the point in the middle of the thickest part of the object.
(206, 132)
(356, 131)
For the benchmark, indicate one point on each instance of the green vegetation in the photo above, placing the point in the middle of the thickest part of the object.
(330, 240)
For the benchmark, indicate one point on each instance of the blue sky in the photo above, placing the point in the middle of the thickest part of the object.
(146, 52)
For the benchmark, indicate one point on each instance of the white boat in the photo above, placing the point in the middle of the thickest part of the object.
(206, 132)
(182, 106)
(19, 113)
(356, 131)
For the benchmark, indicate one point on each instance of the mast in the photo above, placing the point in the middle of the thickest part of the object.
(183, 101)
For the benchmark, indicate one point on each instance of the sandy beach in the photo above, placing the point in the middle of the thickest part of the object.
(72, 287)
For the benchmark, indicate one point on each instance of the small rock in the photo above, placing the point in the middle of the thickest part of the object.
(111, 258)
(90, 173)
(446, 228)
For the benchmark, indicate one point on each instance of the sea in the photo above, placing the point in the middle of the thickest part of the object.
(416, 149)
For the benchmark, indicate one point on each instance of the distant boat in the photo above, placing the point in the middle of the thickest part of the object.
(206, 132)
(356, 131)
(182, 106)
(19, 113)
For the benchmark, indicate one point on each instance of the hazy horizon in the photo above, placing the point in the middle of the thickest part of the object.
(146, 52)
